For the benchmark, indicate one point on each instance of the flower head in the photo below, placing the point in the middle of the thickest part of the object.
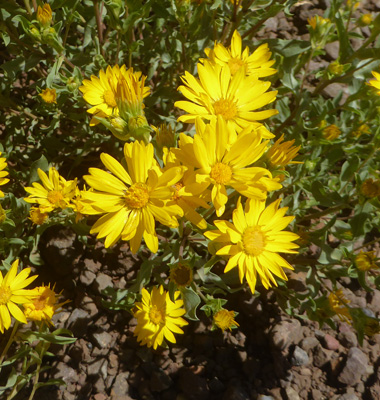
(55, 192)
(235, 98)
(132, 200)
(362, 129)
(44, 14)
(224, 320)
(331, 132)
(370, 188)
(366, 260)
(254, 239)
(37, 216)
(282, 154)
(257, 64)
(43, 306)
(3, 174)
(13, 292)
(49, 96)
(223, 161)
(181, 275)
(338, 303)
(375, 82)
(335, 68)
(365, 19)
(158, 317)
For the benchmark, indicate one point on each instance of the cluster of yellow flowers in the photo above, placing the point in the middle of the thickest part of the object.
(229, 156)
(39, 304)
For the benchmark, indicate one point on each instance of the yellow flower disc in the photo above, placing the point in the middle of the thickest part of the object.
(226, 108)
(137, 195)
(253, 241)
(221, 173)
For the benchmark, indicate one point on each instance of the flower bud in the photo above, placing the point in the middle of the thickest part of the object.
(44, 15)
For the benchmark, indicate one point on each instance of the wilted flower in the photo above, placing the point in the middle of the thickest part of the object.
(181, 275)
(44, 14)
(158, 317)
(366, 260)
(338, 304)
(224, 320)
(362, 129)
(37, 216)
(370, 188)
(331, 132)
(282, 154)
(49, 96)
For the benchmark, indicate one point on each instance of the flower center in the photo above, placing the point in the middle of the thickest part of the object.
(137, 195)
(177, 187)
(221, 173)
(226, 108)
(5, 294)
(253, 241)
(156, 316)
(55, 197)
(235, 64)
(182, 275)
(109, 98)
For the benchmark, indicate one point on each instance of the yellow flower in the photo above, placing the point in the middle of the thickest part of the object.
(44, 14)
(362, 129)
(365, 19)
(224, 319)
(335, 68)
(370, 188)
(317, 21)
(375, 82)
(181, 275)
(257, 64)
(331, 132)
(115, 85)
(217, 92)
(12, 292)
(158, 317)
(3, 174)
(254, 239)
(3, 214)
(223, 163)
(365, 261)
(133, 200)
(165, 136)
(56, 192)
(282, 154)
(37, 216)
(188, 193)
(43, 306)
(49, 96)
(338, 304)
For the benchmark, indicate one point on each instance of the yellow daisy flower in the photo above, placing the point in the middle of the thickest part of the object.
(12, 292)
(331, 132)
(55, 192)
(49, 96)
(375, 82)
(366, 260)
(370, 188)
(37, 216)
(217, 92)
(224, 320)
(282, 154)
(254, 240)
(224, 164)
(188, 193)
(257, 64)
(158, 317)
(43, 307)
(103, 92)
(133, 200)
(3, 174)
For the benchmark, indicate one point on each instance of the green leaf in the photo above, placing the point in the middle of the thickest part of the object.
(191, 301)
(349, 168)
(41, 163)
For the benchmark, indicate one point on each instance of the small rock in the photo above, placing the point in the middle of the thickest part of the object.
(286, 333)
(65, 373)
(100, 396)
(309, 343)
(299, 357)
(355, 368)
(348, 339)
(87, 277)
(159, 381)
(348, 396)
(264, 397)
(121, 385)
(316, 394)
(321, 356)
(103, 281)
(98, 367)
(193, 385)
(291, 394)
(235, 392)
(78, 322)
(216, 385)
(103, 339)
(330, 343)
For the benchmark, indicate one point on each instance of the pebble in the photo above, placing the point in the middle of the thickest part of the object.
(291, 394)
(321, 356)
(193, 385)
(355, 368)
(286, 333)
(264, 397)
(330, 343)
(309, 343)
(103, 339)
(103, 281)
(348, 396)
(299, 357)
(159, 381)
(87, 277)
(348, 339)
(121, 385)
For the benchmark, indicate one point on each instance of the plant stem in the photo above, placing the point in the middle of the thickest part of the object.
(10, 341)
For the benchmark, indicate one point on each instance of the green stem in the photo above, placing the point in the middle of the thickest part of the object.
(27, 6)
(10, 341)
(319, 214)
